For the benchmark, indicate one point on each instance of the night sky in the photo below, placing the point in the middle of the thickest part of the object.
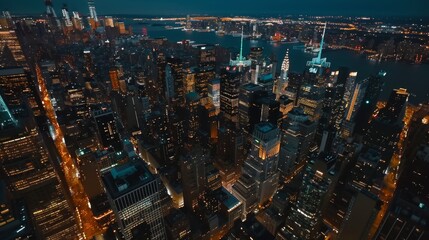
(231, 7)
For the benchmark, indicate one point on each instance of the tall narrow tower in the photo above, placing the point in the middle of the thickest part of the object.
(66, 16)
(92, 12)
(282, 82)
(52, 16)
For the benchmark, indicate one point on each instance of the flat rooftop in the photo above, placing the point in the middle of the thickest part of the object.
(126, 177)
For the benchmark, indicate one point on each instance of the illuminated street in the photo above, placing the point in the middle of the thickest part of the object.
(390, 180)
(87, 222)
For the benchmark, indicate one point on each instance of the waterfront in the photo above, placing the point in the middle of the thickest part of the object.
(415, 78)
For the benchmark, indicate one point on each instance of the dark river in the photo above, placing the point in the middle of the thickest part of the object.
(415, 78)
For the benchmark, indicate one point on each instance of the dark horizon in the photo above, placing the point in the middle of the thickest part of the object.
(381, 8)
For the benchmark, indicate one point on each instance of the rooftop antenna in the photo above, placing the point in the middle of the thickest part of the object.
(241, 45)
(319, 56)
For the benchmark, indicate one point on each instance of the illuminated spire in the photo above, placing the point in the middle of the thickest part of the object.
(285, 65)
(241, 45)
(240, 61)
(318, 61)
(319, 55)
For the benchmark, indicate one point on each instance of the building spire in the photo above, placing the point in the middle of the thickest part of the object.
(319, 55)
(241, 45)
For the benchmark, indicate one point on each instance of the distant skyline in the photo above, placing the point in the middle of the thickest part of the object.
(412, 8)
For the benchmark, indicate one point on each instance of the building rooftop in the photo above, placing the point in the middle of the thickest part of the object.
(126, 177)
(11, 71)
(229, 200)
(265, 127)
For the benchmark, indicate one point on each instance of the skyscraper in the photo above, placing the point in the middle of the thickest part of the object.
(229, 93)
(304, 220)
(66, 16)
(192, 167)
(9, 40)
(297, 135)
(92, 12)
(16, 86)
(27, 168)
(106, 128)
(282, 81)
(134, 195)
(260, 168)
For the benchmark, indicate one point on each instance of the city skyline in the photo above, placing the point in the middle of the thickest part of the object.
(383, 8)
(204, 127)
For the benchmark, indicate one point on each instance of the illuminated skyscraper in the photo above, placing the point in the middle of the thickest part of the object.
(9, 40)
(16, 86)
(66, 16)
(304, 220)
(134, 195)
(229, 93)
(259, 173)
(27, 169)
(106, 128)
(282, 81)
(52, 16)
(297, 135)
(92, 12)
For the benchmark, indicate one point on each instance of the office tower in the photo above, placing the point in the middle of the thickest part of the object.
(77, 21)
(92, 12)
(202, 77)
(9, 43)
(16, 86)
(369, 102)
(360, 216)
(230, 144)
(121, 28)
(260, 167)
(114, 78)
(51, 15)
(248, 93)
(349, 121)
(297, 135)
(267, 109)
(395, 106)
(106, 128)
(192, 168)
(304, 220)
(192, 126)
(229, 93)
(383, 131)
(169, 83)
(256, 57)
(88, 62)
(177, 225)
(343, 82)
(408, 214)
(207, 55)
(310, 100)
(214, 93)
(66, 16)
(282, 81)
(189, 78)
(134, 196)
(177, 77)
(26, 167)
(108, 21)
